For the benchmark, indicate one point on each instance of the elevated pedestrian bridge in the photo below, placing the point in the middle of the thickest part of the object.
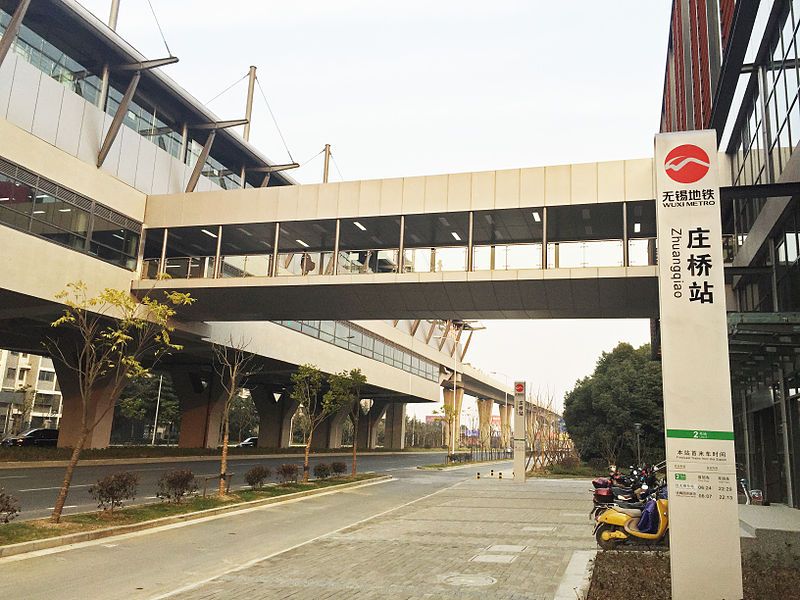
(568, 241)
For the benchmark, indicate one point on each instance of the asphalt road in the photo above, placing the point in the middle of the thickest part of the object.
(160, 562)
(37, 487)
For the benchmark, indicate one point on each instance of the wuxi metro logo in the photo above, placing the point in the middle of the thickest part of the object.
(687, 164)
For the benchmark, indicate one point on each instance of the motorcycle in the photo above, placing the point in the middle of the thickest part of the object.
(618, 525)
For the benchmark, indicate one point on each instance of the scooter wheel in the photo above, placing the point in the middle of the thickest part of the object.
(606, 544)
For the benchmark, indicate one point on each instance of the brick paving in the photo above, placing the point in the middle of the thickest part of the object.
(437, 547)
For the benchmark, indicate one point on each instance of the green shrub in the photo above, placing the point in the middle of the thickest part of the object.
(256, 476)
(9, 506)
(112, 490)
(174, 485)
(287, 472)
(322, 471)
(338, 467)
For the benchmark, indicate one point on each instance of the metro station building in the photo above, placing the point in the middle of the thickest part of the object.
(117, 175)
(733, 67)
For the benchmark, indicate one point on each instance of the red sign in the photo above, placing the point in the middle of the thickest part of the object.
(519, 388)
(687, 163)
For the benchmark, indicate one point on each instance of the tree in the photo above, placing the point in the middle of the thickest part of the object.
(106, 339)
(307, 392)
(344, 390)
(601, 409)
(232, 365)
(243, 416)
(140, 397)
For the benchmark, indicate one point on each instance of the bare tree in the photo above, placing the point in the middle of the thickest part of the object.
(106, 339)
(232, 364)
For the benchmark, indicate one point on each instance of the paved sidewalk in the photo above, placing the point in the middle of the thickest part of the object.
(479, 539)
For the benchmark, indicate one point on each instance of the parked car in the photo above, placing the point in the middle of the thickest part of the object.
(33, 437)
(251, 442)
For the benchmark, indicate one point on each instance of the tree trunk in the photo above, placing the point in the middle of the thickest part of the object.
(305, 459)
(355, 445)
(223, 463)
(61, 500)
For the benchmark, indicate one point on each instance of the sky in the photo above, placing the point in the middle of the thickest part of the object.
(419, 88)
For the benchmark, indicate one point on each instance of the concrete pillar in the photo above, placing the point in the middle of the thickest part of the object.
(100, 409)
(201, 402)
(485, 421)
(274, 417)
(506, 411)
(367, 434)
(395, 426)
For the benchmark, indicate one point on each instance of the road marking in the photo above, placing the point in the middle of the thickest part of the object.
(255, 561)
(58, 487)
(67, 506)
(14, 477)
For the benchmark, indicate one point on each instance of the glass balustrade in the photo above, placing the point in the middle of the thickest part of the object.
(498, 240)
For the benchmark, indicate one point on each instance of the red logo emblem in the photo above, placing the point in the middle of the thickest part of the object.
(687, 164)
(519, 388)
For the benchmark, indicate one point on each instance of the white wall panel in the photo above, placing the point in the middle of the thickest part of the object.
(6, 79)
(111, 163)
(69, 123)
(161, 172)
(129, 141)
(24, 90)
(48, 109)
(144, 166)
(91, 130)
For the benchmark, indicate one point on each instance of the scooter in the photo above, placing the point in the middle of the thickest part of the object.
(617, 526)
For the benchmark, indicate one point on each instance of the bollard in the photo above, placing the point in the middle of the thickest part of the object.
(491, 474)
(499, 475)
(478, 476)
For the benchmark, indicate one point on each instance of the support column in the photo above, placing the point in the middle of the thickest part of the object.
(485, 421)
(274, 417)
(328, 434)
(101, 406)
(201, 403)
(395, 426)
(367, 434)
(449, 407)
(505, 425)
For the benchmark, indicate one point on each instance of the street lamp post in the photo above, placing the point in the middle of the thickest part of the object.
(158, 404)
(638, 428)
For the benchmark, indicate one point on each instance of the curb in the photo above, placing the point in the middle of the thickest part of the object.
(34, 464)
(87, 536)
(577, 576)
(467, 466)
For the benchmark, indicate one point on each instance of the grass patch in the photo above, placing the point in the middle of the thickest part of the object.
(441, 466)
(26, 531)
(567, 472)
(32, 454)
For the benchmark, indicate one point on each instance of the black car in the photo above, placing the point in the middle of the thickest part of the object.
(33, 437)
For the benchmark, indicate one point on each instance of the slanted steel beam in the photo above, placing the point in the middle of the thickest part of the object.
(116, 122)
(122, 109)
(270, 170)
(414, 327)
(212, 129)
(466, 345)
(145, 65)
(13, 29)
(444, 335)
(430, 333)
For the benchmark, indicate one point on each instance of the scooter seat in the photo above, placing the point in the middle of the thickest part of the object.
(631, 512)
(621, 491)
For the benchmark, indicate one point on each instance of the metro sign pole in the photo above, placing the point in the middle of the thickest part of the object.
(519, 431)
(705, 556)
